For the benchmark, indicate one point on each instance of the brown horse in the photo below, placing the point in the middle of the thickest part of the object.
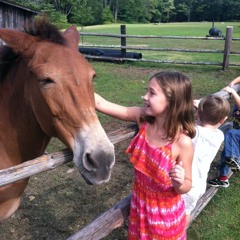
(46, 90)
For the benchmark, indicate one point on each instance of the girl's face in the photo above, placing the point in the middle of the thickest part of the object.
(155, 100)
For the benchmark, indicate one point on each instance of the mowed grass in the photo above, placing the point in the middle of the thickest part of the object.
(200, 29)
(126, 83)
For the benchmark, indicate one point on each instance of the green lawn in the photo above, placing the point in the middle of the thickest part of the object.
(221, 218)
(169, 29)
(197, 29)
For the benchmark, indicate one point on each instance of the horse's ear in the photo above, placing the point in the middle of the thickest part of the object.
(72, 37)
(19, 42)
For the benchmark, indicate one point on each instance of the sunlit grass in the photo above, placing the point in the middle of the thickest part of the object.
(198, 29)
(169, 29)
(220, 219)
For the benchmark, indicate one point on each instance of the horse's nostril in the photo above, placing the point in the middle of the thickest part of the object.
(89, 163)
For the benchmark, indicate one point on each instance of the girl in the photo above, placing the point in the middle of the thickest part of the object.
(161, 153)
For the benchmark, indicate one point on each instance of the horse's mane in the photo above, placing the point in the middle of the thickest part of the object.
(41, 28)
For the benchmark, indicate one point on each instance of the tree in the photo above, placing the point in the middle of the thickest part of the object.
(35, 4)
(137, 10)
(87, 13)
(90, 12)
(164, 9)
(185, 7)
(114, 6)
(107, 16)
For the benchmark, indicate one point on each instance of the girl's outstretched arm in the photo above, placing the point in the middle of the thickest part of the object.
(121, 112)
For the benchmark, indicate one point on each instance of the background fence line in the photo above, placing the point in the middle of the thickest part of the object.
(123, 47)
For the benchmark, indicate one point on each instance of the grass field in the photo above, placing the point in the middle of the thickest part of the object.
(198, 29)
(126, 83)
(169, 29)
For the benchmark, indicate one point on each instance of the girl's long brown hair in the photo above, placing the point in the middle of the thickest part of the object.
(180, 116)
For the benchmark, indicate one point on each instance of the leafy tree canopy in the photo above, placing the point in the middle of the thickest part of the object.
(91, 12)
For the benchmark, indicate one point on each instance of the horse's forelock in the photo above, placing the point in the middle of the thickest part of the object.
(43, 29)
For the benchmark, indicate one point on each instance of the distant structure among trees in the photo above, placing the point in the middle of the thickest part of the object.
(93, 12)
(13, 15)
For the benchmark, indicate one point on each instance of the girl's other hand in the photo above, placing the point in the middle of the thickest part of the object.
(177, 174)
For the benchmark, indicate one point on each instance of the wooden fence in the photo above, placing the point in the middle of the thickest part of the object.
(123, 47)
(114, 217)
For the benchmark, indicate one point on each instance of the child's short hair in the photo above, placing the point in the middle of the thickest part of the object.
(213, 109)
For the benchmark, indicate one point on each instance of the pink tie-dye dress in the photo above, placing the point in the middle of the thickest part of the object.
(157, 211)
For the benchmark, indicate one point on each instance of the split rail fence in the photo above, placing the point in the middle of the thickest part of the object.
(123, 47)
(114, 217)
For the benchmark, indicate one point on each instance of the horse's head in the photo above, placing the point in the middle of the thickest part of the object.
(59, 89)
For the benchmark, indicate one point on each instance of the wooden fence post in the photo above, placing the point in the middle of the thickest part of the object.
(227, 47)
(123, 41)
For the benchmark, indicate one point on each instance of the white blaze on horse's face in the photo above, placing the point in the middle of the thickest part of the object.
(61, 95)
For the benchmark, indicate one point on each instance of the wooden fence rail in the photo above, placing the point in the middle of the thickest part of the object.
(151, 36)
(226, 51)
(114, 217)
(54, 160)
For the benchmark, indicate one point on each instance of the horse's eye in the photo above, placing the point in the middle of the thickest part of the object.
(46, 81)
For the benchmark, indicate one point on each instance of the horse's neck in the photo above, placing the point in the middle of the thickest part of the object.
(21, 137)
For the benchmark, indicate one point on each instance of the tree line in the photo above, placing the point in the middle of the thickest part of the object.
(93, 12)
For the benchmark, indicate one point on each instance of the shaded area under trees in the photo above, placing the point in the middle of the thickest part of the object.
(93, 12)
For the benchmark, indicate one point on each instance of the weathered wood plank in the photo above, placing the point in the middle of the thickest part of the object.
(154, 49)
(155, 61)
(32, 167)
(54, 160)
(122, 134)
(158, 49)
(105, 223)
(147, 36)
